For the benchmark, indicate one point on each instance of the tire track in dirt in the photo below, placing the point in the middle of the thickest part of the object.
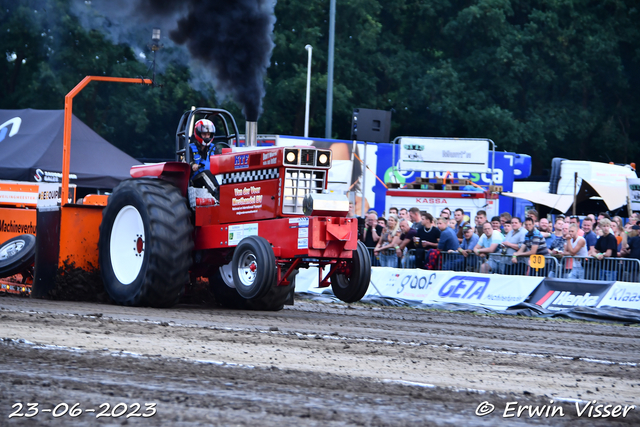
(528, 357)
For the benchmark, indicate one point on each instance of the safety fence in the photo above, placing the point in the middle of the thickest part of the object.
(584, 268)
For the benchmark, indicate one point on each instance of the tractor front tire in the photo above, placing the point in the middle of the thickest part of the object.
(253, 267)
(228, 297)
(353, 287)
(276, 296)
(145, 243)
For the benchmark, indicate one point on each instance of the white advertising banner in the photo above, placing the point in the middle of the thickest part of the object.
(430, 286)
(410, 284)
(633, 188)
(444, 154)
(622, 295)
(487, 290)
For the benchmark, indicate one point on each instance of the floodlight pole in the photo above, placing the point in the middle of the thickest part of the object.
(309, 49)
(332, 32)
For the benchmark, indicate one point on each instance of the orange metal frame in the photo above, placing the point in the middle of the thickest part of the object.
(68, 111)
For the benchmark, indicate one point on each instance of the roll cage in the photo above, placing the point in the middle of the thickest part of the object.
(228, 138)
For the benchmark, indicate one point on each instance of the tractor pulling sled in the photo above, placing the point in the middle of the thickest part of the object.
(155, 233)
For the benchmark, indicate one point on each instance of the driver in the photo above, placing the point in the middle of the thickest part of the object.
(201, 150)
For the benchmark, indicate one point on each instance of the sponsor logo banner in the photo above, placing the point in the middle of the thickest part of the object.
(487, 290)
(13, 124)
(47, 176)
(563, 294)
(622, 295)
(409, 284)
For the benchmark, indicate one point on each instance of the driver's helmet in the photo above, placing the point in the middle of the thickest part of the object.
(201, 127)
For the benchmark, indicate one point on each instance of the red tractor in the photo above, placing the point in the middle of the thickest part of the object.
(274, 217)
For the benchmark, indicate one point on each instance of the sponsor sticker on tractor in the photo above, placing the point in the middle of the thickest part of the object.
(303, 231)
(240, 231)
(241, 161)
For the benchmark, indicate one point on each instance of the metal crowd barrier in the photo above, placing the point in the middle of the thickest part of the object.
(394, 261)
(609, 269)
(504, 264)
(583, 268)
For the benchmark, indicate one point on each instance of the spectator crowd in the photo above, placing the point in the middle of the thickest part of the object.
(503, 244)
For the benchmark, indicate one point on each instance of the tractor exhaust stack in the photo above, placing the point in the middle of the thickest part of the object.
(251, 134)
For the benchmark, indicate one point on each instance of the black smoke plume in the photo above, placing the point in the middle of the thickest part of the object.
(232, 37)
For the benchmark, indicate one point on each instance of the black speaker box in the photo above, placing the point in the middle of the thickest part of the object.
(370, 125)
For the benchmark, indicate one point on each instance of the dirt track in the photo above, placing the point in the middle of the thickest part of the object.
(311, 364)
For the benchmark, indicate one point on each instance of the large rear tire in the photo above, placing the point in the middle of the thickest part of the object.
(145, 243)
(352, 288)
(17, 254)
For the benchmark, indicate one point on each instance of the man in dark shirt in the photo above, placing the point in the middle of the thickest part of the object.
(458, 214)
(448, 247)
(428, 234)
(634, 243)
(605, 247)
(589, 235)
(407, 240)
(633, 251)
(372, 231)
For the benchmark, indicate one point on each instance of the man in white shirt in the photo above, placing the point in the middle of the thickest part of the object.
(488, 244)
(512, 242)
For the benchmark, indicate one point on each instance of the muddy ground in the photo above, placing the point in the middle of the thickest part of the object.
(313, 364)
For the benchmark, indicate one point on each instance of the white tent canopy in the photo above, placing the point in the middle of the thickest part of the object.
(560, 202)
(614, 196)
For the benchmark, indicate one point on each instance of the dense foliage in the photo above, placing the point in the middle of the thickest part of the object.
(543, 77)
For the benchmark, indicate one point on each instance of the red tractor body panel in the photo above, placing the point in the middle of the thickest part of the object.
(317, 237)
(260, 194)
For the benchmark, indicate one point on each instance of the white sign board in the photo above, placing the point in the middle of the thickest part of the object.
(633, 187)
(444, 154)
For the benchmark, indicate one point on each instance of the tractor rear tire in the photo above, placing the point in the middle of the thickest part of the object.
(145, 243)
(253, 267)
(17, 254)
(353, 288)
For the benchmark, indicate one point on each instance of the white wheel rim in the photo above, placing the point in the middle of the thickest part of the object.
(127, 245)
(226, 272)
(11, 249)
(247, 268)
